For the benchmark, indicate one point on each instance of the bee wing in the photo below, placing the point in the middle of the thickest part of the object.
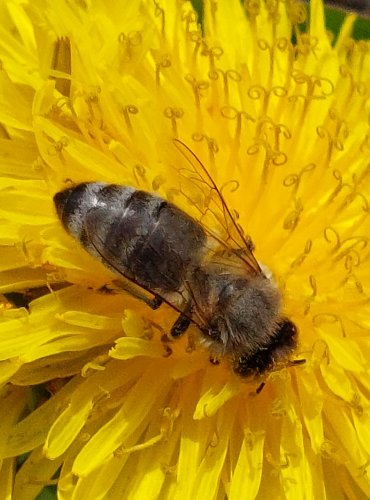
(214, 214)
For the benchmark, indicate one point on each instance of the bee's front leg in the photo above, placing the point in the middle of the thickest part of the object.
(138, 293)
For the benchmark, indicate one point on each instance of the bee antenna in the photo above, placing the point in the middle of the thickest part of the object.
(260, 387)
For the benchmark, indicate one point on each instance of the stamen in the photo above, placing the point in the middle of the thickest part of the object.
(211, 143)
(159, 12)
(328, 450)
(359, 179)
(295, 179)
(92, 96)
(311, 298)
(57, 148)
(298, 261)
(318, 357)
(139, 172)
(252, 7)
(356, 406)
(195, 37)
(169, 417)
(161, 62)
(199, 88)
(324, 133)
(306, 44)
(359, 242)
(265, 46)
(92, 366)
(341, 131)
(128, 44)
(272, 157)
(174, 114)
(308, 93)
(282, 464)
(258, 92)
(191, 18)
(213, 54)
(349, 263)
(297, 13)
(122, 450)
(169, 470)
(278, 409)
(84, 437)
(345, 72)
(129, 109)
(215, 441)
(234, 187)
(231, 113)
(327, 232)
(228, 75)
(285, 45)
(213, 10)
(157, 182)
(351, 197)
(292, 219)
(363, 469)
(264, 128)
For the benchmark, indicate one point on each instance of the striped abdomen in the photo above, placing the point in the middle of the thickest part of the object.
(134, 233)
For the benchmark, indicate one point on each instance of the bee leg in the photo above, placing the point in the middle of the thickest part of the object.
(137, 292)
(155, 302)
(180, 326)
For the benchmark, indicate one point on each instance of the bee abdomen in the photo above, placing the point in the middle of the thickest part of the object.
(74, 204)
(132, 232)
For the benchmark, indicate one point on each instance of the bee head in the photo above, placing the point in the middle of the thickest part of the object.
(279, 346)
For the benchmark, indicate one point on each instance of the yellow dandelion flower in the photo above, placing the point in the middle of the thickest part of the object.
(279, 116)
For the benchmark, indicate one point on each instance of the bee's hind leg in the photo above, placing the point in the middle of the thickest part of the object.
(138, 293)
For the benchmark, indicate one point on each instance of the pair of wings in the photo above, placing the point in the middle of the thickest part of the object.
(216, 218)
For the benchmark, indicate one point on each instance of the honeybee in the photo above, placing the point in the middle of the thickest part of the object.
(213, 281)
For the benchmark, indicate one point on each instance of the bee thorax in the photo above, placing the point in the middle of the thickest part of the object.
(242, 312)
